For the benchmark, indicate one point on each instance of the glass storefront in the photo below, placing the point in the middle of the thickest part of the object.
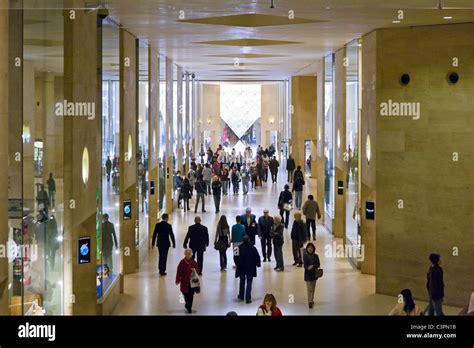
(352, 142)
(329, 140)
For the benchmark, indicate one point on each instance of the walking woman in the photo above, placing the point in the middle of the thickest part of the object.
(311, 265)
(183, 278)
(222, 241)
(236, 179)
(278, 241)
(186, 192)
(284, 204)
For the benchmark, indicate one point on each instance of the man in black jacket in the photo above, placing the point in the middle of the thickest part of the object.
(265, 224)
(435, 286)
(298, 238)
(247, 262)
(290, 167)
(249, 220)
(162, 236)
(198, 238)
(273, 165)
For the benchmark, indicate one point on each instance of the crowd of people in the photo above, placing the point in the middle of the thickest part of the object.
(216, 177)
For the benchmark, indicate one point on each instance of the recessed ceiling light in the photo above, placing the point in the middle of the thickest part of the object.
(447, 17)
(395, 22)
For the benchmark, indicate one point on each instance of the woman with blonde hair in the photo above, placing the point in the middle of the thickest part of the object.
(269, 307)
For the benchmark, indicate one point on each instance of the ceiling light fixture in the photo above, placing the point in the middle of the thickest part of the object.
(395, 22)
(440, 5)
(271, 5)
(447, 17)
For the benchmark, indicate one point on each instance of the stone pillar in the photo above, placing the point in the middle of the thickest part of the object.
(318, 157)
(82, 156)
(128, 149)
(339, 223)
(5, 66)
(303, 120)
(153, 137)
(270, 112)
(187, 134)
(169, 135)
(180, 108)
(367, 149)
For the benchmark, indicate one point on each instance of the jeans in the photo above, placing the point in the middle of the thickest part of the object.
(235, 184)
(266, 247)
(310, 223)
(223, 258)
(310, 287)
(225, 186)
(200, 258)
(435, 307)
(285, 220)
(188, 299)
(248, 289)
(245, 185)
(208, 186)
(274, 176)
(290, 175)
(298, 199)
(296, 251)
(279, 256)
(162, 257)
(199, 196)
(217, 202)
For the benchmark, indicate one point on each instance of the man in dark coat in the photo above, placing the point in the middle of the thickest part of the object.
(247, 262)
(249, 220)
(109, 239)
(298, 238)
(273, 165)
(163, 236)
(435, 286)
(290, 167)
(265, 224)
(198, 238)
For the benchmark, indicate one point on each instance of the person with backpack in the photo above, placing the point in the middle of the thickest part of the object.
(201, 192)
(235, 178)
(222, 241)
(285, 201)
(277, 233)
(290, 168)
(311, 265)
(298, 183)
(298, 238)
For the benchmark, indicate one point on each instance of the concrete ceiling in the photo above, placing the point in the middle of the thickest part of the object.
(254, 36)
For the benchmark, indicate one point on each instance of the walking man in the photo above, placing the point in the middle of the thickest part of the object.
(247, 261)
(163, 237)
(265, 224)
(311, 211)
(198, 238)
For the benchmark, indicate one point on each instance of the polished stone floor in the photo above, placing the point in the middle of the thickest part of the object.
(342, 291)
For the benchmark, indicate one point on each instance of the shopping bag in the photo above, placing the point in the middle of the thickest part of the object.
(195, 281)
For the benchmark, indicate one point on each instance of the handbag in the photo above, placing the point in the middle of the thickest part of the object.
(287, 206)
(195, 281)
(220, 245)
(319, 272)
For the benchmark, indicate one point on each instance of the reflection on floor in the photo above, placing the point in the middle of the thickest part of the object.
(342, 291)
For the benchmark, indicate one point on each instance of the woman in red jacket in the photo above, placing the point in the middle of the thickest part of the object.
(269, 307)
(183, 277)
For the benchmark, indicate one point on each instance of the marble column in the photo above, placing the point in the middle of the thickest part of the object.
(169, 135)
(82, 157)
(180, 108)
(318, 157)
(339, 222)
(187, 134)
(4, 151)
(303, 120)
(153, 137)
(128, 150)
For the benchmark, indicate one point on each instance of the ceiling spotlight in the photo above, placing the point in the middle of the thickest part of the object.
(395, 22)
(447, 17)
